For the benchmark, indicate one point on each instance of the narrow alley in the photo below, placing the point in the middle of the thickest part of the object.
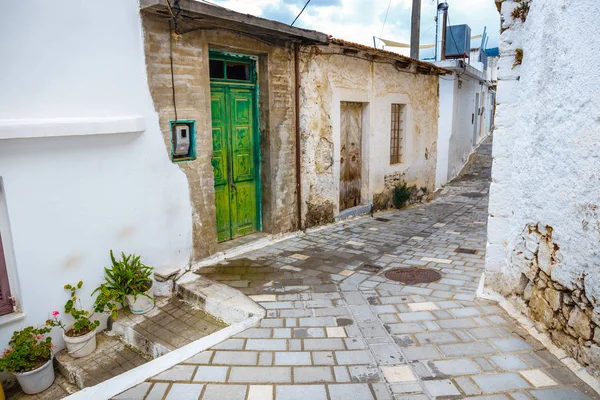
(337, 328)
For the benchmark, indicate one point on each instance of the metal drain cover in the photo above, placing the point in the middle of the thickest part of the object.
(412, 276)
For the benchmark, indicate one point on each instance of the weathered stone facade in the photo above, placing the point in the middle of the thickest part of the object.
(333, 74)
(192, 93)
(565, 313)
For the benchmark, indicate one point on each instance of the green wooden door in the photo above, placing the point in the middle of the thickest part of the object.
(234, 161)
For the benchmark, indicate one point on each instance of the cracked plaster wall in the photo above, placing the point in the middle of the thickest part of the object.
(328, 79)
(545, 170)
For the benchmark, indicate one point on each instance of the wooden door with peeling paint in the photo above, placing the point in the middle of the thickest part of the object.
(350, 154)
(235, 158)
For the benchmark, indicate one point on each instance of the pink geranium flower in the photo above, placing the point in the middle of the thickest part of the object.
(55, 314)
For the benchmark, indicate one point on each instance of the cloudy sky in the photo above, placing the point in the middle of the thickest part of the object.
(360, 20)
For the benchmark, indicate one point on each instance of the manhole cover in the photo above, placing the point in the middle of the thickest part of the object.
(370, 268)
(465, 251)
(412, 276)
(382, 219)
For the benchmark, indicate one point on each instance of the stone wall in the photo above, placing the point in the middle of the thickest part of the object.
(565, 313)
(544, 210)
(329, 76)
(192, 87)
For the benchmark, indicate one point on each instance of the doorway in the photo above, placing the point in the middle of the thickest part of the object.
(476, 120)
(235, 141)
(350, 154)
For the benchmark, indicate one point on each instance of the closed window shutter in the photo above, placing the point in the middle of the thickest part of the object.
(6, 305)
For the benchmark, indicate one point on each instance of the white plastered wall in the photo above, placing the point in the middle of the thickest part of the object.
(94, 174)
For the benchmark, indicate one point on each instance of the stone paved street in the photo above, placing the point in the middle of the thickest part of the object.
(336, 328)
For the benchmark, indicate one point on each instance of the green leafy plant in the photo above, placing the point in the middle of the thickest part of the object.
(29, 350)
(127, 276)
(83, 319)
(400, 195)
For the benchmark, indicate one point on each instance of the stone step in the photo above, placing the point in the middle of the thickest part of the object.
(111, 358)
(173, 323)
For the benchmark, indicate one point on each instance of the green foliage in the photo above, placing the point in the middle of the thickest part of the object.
(127, 276)
(518, 57)
(83, 323)
(29, 349)
(400, 195)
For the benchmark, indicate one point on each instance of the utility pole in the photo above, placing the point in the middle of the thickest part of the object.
(415, 29)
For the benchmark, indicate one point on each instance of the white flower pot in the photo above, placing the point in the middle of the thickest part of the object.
(80, 346)
(38, 380)
(140, 304)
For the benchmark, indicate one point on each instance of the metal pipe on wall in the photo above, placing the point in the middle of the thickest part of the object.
(442, 18)
(298, 136)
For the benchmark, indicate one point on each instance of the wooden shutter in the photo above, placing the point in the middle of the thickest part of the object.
(6, 304)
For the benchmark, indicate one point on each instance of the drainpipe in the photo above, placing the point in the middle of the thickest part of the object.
(442, 19)
(298, 144)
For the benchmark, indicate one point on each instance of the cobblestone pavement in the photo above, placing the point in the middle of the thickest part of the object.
(336, 328)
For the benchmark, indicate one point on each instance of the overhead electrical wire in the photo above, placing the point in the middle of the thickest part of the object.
(299, 14)
(385, 19)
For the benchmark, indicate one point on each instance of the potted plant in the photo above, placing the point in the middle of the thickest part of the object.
(128, 281)
(80, 337)
(29, 358)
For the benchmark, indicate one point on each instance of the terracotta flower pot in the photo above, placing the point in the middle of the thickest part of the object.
(38, 380)
(80, 346)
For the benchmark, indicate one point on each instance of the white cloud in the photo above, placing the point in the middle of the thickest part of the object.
(360, 20)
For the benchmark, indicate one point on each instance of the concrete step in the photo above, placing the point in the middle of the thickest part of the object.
(111, 358)
(173, 323)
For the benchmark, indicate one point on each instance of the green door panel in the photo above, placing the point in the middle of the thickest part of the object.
(234, 161)
(220, 162)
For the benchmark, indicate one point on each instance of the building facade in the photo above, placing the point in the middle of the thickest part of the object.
(544, 223)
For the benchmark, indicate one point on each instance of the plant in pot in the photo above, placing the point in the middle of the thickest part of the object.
(80, 337)
(29, 358)
(127, 281)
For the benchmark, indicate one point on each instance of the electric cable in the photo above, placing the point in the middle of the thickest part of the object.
(385, 19)
(301, 11)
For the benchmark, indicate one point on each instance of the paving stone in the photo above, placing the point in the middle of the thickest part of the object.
(509, 362)
(404, 328)
(459, 323)
(426, 306)
(260, 392)
(416, 316)
(353, 357)
(466, 349)
(308, 332)
(421, 353)
(510, 345)
(443, 387)
(364, 373)
(323, 358)
(398, 373)
(500, 382)
(181, 391)
(436, 337)
(200, 358)
(323, 344)
(235, 357)
(265, 358)
(537, 378)
(386, 354)
(261, 374)
(157, 392)
(455, 367)
(336, 332)
(562, 393)
(211, 374)
(177, 373)
(266, 344)
(312, 374)
(292, 358)
(341, 374)
(135, 393)
(221, 392)
(350, 391)
(300, 392)
(467, 386)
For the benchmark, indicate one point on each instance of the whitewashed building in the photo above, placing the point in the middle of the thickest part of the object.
(466, 113)
(544, 223)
